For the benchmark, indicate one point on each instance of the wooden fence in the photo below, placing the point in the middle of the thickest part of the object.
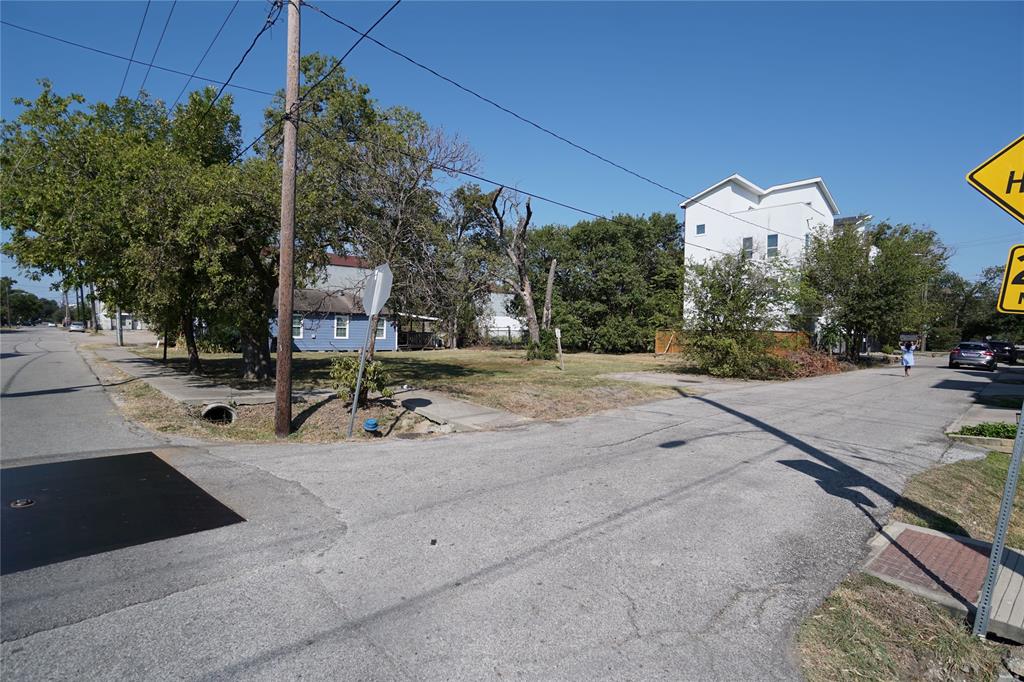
(673, 341)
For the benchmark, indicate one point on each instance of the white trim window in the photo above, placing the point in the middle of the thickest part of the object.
(382, 329)
(701, 228)
(341, 323)
(773, 245)
(296, 325)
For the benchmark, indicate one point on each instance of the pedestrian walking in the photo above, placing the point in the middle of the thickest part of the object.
(908, 357)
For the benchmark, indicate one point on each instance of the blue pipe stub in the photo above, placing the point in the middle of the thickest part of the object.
(370, 425)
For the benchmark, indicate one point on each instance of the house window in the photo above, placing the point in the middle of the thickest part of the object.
(700, 229)
(748, 247)
(807, 240)
(296, 326)
(341, 326)
(773, 245)
(382, 328)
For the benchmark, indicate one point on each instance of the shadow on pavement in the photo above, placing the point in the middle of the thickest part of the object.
(839, 479)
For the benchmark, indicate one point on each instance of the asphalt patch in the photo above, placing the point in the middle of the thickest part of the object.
(66, 510)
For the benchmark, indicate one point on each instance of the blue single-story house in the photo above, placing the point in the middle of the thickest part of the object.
(329, 321)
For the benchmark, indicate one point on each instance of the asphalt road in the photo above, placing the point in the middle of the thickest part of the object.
(52, 405)
(680, 540)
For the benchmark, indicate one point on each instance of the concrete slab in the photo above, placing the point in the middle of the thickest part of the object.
(949, 570)
(459, 414)
(690, 383)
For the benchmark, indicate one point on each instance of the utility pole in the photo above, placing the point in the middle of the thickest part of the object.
(286, 282)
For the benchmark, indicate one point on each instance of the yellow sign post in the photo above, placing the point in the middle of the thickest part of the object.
(1001, 178)
(1011, 294)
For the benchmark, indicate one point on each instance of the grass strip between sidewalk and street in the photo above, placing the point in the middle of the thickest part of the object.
(870, 630)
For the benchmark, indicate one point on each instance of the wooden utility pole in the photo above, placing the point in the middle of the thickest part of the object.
(285, 282)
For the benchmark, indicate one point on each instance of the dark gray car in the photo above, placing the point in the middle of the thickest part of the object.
(973, 354)
(1005, 352)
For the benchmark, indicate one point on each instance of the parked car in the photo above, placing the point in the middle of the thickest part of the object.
(51, 324)
(1005, 352)
(77, 327)
(973, 354)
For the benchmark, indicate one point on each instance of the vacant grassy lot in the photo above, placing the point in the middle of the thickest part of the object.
(496, 378)
(868, 629)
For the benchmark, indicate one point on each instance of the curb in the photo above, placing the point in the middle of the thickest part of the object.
(997, 444)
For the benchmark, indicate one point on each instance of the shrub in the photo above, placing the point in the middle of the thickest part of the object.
(990, 430)
(889, 349)
(743, 357)
(344, 372)
(545, 350)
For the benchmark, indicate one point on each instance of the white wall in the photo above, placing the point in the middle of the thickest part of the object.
(795, 212)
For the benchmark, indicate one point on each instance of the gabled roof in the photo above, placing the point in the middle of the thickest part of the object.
(763, 192)
(324, 301)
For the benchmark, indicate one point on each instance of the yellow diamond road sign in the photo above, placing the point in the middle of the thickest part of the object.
(1011, 294)
(1001, 178)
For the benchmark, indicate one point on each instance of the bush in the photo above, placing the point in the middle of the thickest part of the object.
(547, 349)
(344, 372)
(742, 358)
(889, 349)
(990, 430)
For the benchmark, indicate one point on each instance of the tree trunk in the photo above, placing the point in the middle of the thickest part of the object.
(372, 346)
(256, 365)
(92, 306)
(188, 330)
(546, 323)
(453, 342)
(526, 294)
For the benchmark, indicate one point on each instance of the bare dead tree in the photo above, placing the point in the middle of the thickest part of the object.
(511, 240)
(546, 321)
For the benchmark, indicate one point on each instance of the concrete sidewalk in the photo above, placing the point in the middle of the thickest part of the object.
(458, 414)
(949, 570)
(188, 389)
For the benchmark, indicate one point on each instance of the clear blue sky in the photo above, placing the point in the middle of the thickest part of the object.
(891, 103)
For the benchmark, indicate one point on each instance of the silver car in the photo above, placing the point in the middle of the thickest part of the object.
(973, 354)
(77, 327)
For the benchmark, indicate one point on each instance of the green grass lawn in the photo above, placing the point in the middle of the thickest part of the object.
(496, 378)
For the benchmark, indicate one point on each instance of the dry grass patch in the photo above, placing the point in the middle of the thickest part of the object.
(962, 498)
(323, 421)
(496, 378)
(870, 630)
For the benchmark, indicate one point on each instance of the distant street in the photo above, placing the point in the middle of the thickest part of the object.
(52, 404)
(682, 540)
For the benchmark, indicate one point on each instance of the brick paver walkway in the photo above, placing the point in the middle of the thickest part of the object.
(950, 570)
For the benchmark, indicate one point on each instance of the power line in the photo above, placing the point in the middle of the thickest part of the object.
(128, 67)
(498, 183)
(540, 127)
(270, 21)
(158, 43)
(208, 48)
(362, 35)
(131, 60)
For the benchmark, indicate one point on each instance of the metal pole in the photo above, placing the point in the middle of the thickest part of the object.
(370, 327)
(996, 557)
(286, 282)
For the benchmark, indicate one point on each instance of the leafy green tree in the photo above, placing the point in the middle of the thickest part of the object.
(871, 281)
(733, 304)
(616, 282)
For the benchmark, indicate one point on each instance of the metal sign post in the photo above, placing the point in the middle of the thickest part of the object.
(376, 292)
(996, 557)
(558, 339)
